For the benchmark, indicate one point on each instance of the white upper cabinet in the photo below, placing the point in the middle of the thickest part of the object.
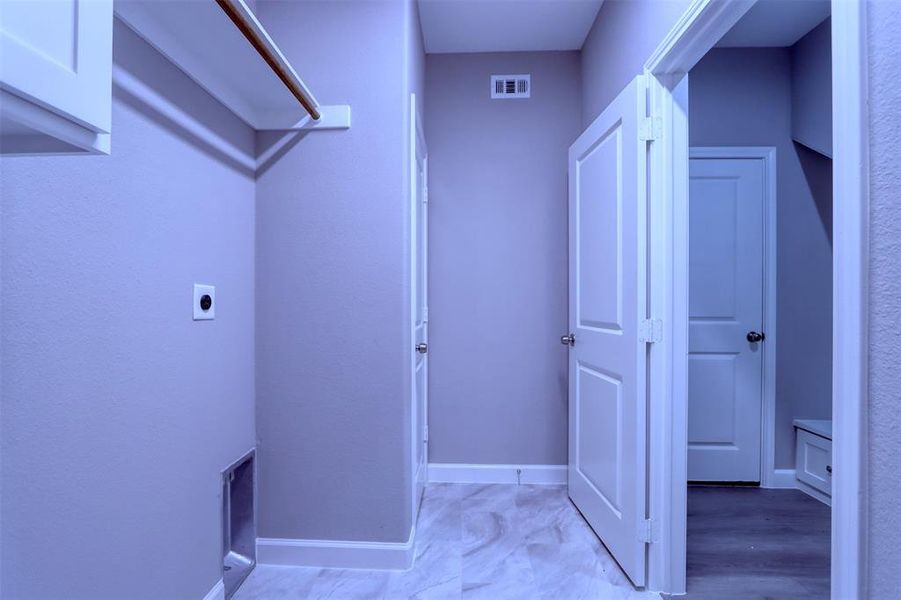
(55, 75)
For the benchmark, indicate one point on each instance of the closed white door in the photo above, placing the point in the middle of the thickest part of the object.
(726, 273)
(419, 199)
(607, 305)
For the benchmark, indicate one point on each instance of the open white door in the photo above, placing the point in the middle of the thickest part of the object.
(419, 302)
(607, 307)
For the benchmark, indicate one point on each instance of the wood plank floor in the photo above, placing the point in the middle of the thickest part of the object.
(754, 543)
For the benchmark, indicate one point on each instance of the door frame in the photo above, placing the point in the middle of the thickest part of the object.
(769, 477)
(697, 31)
(416, 141)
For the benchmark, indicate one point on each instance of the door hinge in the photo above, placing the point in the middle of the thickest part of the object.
(425, 313)
(650, 129)
(646, 531)
(425, 435)
(650, 331)
(425, 195)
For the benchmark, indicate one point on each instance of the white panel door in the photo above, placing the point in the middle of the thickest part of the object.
(607, 303)
(420, 301)
(59, 54)
(725, 304)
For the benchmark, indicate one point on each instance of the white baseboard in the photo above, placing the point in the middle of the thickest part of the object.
(217, 592)
(468, 473)
(781, 479)
(336, 554)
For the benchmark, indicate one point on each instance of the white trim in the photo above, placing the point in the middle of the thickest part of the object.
(331, 116)
(488, 473)
(692, 37)
(698, 30)
(336, 554)
(668, 420)
(768, 398)
(217, 592)
(850, 345)
(782, 479)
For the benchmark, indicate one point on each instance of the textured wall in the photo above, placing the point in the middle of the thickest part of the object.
(742, 97)
(332, 286)
(119, 411)
(498, 257)
(623, 36)
(884, 23)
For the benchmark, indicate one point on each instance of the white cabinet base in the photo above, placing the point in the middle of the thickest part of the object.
(26, 128)
(813, 458)
(55, 75)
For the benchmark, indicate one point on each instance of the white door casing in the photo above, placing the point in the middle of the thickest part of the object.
(419, 301)
(728, 288)
(607, 306)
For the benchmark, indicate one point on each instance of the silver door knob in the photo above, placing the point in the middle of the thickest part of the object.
(422, 348)
(568, 340)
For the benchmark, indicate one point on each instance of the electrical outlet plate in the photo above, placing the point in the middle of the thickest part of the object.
(200, 290)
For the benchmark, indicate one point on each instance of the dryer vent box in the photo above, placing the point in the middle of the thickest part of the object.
(239, 529)
(511, 86)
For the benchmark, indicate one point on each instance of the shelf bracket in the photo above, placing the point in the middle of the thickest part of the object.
(334, 116)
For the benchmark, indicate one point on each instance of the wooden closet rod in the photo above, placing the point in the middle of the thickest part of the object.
(263, 49)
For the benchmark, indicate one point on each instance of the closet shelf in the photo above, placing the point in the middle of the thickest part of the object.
(200, 37)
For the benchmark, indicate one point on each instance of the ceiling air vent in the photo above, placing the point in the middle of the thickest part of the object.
(511, 86)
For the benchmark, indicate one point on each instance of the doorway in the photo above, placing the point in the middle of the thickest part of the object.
(732, 313)
(696, 35)
(419, 302)
(758, 88)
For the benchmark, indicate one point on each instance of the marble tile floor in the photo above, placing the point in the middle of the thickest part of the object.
(497, 542)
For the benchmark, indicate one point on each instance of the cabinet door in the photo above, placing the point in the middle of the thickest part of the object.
(58, 55)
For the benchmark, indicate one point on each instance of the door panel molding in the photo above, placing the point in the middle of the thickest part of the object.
(608, 273)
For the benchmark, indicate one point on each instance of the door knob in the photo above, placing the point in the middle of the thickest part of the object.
(422, 348)
(755, 337)
(568, 340)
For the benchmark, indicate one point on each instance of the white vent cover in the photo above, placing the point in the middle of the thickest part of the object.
(511, 86)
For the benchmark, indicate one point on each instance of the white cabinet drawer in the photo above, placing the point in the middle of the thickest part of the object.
(56, 69)
(814, 461)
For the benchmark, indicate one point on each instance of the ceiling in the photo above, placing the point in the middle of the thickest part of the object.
(505, 25)
(776, 23)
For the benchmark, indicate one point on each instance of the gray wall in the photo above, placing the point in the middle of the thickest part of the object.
(743, 97)
(884, 23)
(119, 411)
(812, 89)
(498, 257)
(332, 286)
(623, 36)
